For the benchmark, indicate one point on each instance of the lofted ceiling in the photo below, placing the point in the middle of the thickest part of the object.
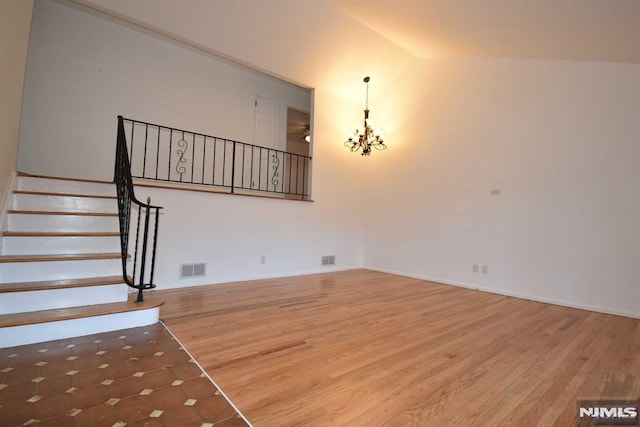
(332, 44)
(580, 30)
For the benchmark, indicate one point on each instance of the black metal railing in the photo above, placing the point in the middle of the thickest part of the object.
(140, 276)
(168, 154)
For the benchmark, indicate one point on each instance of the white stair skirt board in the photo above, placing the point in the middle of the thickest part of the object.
(40, 332)
(51, 299)
(62, 186)
(27, 222)
(36, 202)
(19, 245)
(58, 270)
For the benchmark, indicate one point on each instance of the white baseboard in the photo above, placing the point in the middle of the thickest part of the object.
(507, 293)
(232, 279)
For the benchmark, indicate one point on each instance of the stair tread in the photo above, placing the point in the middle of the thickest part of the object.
(59, 284)
(61, 234)
(51, 193)
(61, 178)
(59, 257)
(31, 212)
(35, 317)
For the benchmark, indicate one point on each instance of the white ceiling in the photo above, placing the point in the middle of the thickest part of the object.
(582, 30)
(332, 44)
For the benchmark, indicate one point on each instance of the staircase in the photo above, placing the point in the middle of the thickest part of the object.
(61, 265)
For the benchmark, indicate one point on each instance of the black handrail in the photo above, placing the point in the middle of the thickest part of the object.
(124, 184)
(162, 153)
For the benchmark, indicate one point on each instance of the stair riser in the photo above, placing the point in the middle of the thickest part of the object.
(61, 186)
(58, 270)
(57, 245)
(23, 222)
(40, 332)
(21, 302)
(32, 202)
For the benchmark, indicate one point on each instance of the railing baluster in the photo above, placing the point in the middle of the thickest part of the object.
(133, 125)
(170, 149)
(304, 170)
(233, 167)
(144, 250)
(260, 171)
(280, 177)
(155, 243)
(124, 187)
(135, 256)
(158, 153)
(242, 172)
(290, 169)
(296, 181)
(204, 156)
(193, 156)
(251, 169)
(224, 163)
(144, 157)
(213, 168)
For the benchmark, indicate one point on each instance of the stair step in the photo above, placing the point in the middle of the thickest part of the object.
(61, 223)
(32, 300)
(26, 182)
(50, 193)
(70, 203)
(74, 269)
(63, 178)
(71, 243)
(27, 328)
(59, 284)
(61, 234)
(58, 257)
(31, 212)
(43, 316)
(61, 264)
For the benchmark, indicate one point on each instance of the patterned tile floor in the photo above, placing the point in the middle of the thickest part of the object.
(132, 377)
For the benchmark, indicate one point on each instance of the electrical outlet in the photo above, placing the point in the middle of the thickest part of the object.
(485, 269)
(475, 268)
(263, 259)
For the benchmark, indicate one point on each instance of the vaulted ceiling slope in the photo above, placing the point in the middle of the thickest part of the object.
(578, 30)
(311, 43)
(332, 44)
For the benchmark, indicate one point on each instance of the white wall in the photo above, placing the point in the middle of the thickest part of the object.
(84, 70)
(560, 140)
(313, 43)
(231, 233)
(15, 21)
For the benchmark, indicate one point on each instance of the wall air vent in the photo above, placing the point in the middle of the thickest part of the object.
(328, 260)
(192, 270)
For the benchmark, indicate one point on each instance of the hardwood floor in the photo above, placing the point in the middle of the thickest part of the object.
(362, 348)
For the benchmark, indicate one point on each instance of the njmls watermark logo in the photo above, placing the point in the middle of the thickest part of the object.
(608, 412)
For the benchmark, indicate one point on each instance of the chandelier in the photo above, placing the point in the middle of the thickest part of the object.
(365, 137)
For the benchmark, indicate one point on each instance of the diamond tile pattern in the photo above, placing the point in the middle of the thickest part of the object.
(138, 376)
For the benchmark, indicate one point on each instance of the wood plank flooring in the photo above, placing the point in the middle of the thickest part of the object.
(362, 348)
